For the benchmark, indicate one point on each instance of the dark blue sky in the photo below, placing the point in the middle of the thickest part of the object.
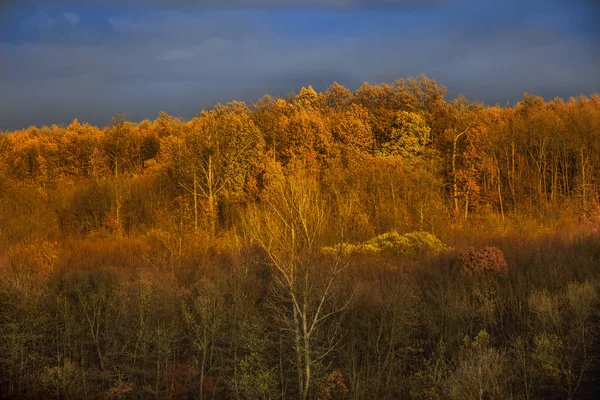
(92, 59)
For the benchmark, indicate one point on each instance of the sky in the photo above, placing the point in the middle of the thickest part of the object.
(92, 59)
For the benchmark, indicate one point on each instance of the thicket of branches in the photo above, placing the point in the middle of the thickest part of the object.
(316, 246)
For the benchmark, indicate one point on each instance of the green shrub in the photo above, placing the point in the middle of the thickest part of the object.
(412, 243)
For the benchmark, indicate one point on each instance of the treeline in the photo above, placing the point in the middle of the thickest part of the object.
(400, 153)
(186, 259)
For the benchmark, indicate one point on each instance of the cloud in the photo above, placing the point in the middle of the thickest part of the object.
(40, 21)
(181, 61)
(177, 54)
(249, 3)
(71, 18)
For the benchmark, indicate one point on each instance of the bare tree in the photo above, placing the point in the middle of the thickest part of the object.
(288, 226)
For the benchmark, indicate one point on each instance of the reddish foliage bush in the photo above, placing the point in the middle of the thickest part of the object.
(209, 385)
(333, 387)
(119, 391)
(178, 379)
(487, 259)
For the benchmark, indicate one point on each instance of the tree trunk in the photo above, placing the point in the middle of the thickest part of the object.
(583, 184)
(455, 193)
(454, 178)
(211, 198)
(117, 194)
(512, 170)
(195, 194)
(298, 352)
(499, 189)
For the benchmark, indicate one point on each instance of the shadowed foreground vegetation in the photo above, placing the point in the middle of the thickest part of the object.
(382, 243)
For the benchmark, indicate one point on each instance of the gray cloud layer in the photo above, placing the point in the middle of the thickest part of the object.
(178, 62)
(251, 3)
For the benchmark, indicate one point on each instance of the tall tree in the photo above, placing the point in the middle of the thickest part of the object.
(289, 226)
(215, 157)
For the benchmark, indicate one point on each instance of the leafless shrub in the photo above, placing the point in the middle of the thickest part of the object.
(481, 371)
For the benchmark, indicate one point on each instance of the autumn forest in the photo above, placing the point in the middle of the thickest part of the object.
(383, 243)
